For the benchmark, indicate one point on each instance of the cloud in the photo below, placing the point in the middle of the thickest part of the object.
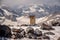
(27, 2)
(59, 0)
(0, 2)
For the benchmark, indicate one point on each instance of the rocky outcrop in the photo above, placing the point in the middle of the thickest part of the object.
(58, 38)
(5, 31)
(55, 23)
(18, 33)
(49, 33)
(29, 32)
(46, 27)
(35, 34)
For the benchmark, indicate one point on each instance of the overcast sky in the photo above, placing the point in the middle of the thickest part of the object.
(13, 3)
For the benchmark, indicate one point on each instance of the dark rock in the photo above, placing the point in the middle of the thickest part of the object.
(55, 23)
(16, 30)
(46, 37)
(5, 31)
(58, 38)
(49, 33)
(17, 35)
(34, 34)
(37, 32)
(23, 33)
(24, 25)
(46, 27)
(29, 30)
(20, 33)
(2, 33)
(1, 13)
(31, 36)
(21, 29)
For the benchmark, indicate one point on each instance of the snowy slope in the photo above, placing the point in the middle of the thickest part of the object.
(23, 20)
(5, 15)
(43, 13)
(47, 19)
(37, 10)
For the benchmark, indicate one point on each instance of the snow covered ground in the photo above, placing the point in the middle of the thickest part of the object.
(52, 37)
(57, 33)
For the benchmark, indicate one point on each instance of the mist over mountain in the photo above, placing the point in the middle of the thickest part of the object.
(32, 9)
(39, 10)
